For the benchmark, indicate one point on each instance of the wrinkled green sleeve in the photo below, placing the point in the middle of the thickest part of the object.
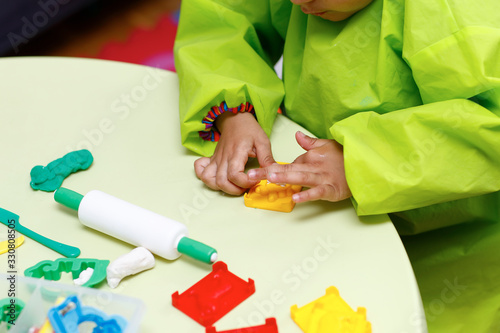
(448, 148)
(225, 50)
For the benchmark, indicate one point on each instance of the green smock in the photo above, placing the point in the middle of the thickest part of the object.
(411, 89)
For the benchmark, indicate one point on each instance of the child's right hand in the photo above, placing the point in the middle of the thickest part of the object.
(241, 138)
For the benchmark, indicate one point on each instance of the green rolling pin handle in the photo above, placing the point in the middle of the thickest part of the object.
(66, 250)
(197, 250)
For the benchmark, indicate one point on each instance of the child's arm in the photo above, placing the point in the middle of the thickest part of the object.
(447, 149)
(224, 53)
(416, 157)
(321, 169)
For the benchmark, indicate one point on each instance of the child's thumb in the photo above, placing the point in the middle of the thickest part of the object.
(306, 142)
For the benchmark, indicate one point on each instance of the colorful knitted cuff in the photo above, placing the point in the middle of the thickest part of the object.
(211, 133)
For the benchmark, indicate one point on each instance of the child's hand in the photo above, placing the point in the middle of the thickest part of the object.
(321, 169)
(241, 138)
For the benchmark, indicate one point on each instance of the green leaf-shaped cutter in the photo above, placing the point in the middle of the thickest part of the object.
(51, 270)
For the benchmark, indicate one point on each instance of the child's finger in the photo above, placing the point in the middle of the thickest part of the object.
(236, 172)
(307, 142)
(223, 183)
(257, 174)
(302, 178)
(241, 181)
(263, 173)
(265, 155)
(320, 192)
(200, 165)
(208, 176)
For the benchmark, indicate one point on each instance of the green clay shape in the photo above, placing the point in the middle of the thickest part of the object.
(51, 270)
(51, 177)
(10, 309)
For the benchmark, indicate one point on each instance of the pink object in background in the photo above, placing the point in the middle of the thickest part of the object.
(151, 47)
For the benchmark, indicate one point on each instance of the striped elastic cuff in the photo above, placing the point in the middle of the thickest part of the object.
(211, 133)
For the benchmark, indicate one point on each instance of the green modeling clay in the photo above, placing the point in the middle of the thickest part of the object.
(51, 177)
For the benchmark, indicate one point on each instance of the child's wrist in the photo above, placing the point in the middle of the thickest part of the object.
(229, 119)
(211, 132)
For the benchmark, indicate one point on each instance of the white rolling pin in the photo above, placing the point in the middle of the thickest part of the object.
(135, 225)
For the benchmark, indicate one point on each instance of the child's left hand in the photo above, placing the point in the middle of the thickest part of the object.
(321, 169)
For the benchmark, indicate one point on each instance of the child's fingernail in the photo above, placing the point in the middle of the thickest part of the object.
(295, 197)
(252, 174)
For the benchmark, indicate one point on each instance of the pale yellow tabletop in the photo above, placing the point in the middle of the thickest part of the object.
(127, 116)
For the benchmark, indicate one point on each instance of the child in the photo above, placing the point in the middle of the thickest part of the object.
(404, 97)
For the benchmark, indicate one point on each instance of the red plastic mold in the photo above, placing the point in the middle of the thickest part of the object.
(269, 327)
(213, 296)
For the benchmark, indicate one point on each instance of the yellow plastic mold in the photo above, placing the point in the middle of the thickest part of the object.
(267, 195)
(330, 314)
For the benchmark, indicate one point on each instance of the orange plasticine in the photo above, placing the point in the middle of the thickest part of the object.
(266, 195)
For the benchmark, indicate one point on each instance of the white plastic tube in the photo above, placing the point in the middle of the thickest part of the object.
(131, 223)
